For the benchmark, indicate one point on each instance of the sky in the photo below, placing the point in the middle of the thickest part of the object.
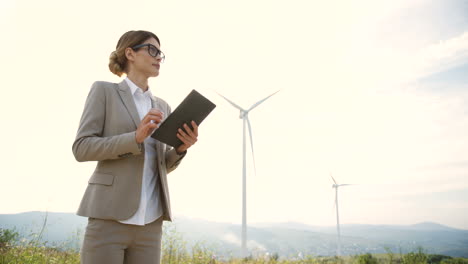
(373, 92)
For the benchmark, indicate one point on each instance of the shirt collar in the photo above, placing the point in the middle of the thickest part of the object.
(134, 88)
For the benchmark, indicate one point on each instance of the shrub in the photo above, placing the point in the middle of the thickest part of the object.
(455, 261)
(415, 257)
(7, 237)
(366, 259)
(436, 259)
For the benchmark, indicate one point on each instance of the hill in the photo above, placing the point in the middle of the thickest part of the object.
(286, 239)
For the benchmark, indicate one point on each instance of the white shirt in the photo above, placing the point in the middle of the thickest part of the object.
(150, 207)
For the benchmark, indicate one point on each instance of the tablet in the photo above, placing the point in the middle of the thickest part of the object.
(194, 107)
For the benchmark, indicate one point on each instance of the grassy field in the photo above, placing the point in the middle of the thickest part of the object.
(14, 249)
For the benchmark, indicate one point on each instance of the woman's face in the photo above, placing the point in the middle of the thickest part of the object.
(144, 63)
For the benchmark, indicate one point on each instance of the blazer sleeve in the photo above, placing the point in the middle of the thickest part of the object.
(90, 145)
(173, 159)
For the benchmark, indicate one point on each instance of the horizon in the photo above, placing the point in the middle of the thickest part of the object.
(256, 224)
(373, 92)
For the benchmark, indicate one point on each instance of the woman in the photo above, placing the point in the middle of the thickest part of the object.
(127, 197)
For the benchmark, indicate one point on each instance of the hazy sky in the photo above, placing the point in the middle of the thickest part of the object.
(374, 92)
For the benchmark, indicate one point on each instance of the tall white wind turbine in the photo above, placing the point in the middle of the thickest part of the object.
(244, 115)
(335, 186)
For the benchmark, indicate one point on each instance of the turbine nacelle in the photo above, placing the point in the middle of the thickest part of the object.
(243, 114)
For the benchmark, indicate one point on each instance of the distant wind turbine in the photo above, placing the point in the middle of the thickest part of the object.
(335, 186)
(244, 115)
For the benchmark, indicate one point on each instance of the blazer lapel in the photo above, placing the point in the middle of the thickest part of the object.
(155, 104)
(127, 98)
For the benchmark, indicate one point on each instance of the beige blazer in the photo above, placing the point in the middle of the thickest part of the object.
(107, 134)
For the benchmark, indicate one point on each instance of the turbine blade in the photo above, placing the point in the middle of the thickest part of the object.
(261, 101)
(231, 102)
(251, 143)
(345, 184)
(333, 178)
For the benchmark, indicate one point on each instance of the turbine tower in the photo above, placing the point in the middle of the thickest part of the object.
(335, 186)
(244, 115)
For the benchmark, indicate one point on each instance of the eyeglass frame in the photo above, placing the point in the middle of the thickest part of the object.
(158, 51)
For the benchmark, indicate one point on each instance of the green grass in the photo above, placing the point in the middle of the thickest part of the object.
(45, 255)
(37, 255)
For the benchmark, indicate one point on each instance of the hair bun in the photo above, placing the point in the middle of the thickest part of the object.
(115, 65)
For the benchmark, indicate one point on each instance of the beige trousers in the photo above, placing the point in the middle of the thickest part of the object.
(108, 241)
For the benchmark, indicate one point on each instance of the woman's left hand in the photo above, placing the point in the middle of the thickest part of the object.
(188, 137)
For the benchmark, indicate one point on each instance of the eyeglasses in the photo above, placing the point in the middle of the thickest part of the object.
(152, 50)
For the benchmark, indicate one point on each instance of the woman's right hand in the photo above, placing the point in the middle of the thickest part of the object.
(149, 123)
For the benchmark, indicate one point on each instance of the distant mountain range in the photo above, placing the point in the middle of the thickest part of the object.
(286, 239)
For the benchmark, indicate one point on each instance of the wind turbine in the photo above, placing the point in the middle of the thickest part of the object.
(335, 186)
(244, 115)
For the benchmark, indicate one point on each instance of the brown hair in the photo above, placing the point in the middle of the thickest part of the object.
(117, 59)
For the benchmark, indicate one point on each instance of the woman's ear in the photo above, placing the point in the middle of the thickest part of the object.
(129, 53)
